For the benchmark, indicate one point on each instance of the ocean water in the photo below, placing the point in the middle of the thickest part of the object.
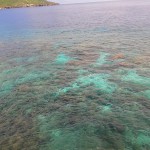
(75, 77)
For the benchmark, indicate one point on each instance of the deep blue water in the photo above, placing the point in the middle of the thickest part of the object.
(75, 77)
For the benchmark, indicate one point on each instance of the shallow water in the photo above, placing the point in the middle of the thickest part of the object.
(75, 77)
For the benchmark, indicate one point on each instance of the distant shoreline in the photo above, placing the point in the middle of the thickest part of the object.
(29, 5)
(1, 8)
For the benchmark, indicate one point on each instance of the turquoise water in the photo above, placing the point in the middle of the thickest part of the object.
(74, 79)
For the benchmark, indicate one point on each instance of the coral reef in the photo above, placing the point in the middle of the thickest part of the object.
(132, 76)
(75, 90)
(62, 59)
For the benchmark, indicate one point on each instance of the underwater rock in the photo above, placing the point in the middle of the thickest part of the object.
(23, 88)
(125, 64)
(85, 59)
(118, 56)
(141, 60)
(117, 127)
(77, 63)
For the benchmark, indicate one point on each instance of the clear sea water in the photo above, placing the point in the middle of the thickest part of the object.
(75, 77)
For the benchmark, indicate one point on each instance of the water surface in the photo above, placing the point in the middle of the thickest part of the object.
(75, 77)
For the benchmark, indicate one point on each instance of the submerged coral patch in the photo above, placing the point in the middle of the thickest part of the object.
(147, 94)
(139, 139)
(62, 59)
(80, 81)
(33, 76)
(118, 56)
(25, 59)
(6, 87)
(66, 138)
(8, 79)
(99, 81)
(102, 59)
(133, 77)
(106, 109)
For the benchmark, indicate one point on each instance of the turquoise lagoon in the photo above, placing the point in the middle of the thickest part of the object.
(74, 79)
